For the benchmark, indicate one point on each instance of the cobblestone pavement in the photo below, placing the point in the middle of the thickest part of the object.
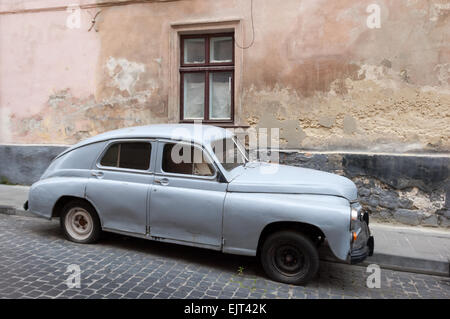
(34, 258)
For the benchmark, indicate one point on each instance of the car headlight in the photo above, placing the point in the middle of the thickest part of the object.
(356, 225)
(356, 210)
(354, 214)
(355, 220)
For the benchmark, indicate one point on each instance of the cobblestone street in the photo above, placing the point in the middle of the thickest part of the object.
(34, 258)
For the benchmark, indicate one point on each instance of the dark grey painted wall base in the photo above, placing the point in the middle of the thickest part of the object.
(406, 189)
(413, 190)
(24, 164)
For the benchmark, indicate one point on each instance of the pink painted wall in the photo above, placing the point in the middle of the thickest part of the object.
(314, 63)
(40, 56)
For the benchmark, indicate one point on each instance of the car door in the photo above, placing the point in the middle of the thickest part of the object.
(187, 198)
(120, 185)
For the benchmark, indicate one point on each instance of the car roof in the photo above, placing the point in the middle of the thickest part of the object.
(200, 134)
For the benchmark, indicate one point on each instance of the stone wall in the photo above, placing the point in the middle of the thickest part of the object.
(406, 189)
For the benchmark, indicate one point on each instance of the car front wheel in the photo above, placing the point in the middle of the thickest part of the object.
(80, 222)
(289, 257)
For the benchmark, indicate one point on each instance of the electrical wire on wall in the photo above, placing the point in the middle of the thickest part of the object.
(253, 31)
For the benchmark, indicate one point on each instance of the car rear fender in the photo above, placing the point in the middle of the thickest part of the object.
(45, 193)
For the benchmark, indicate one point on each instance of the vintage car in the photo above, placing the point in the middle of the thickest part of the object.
(145, 182)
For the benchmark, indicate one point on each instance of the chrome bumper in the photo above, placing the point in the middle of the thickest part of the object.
(359, 255)
(364, 245)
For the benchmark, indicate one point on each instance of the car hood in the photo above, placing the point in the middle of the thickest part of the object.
(274, 178)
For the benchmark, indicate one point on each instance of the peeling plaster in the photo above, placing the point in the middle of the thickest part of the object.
(383, 200)
(67, 119)
(428, 203)
(327, 121)
(350, 125)
(438, 10)
(124, 73)
(422, 200)
(292, 133)
(376, 112)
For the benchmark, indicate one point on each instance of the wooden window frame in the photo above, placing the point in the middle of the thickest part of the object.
(206, 68)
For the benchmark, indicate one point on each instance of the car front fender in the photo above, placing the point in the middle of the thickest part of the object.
(247, 214)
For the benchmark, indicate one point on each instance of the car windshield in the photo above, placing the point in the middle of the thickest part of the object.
(230, 153)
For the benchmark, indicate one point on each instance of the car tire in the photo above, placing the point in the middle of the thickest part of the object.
(289, 257)
(80, 223)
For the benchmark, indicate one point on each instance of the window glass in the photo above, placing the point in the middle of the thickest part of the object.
(194, 95)
(220, 95)
(133, 155)
(185, 159)
(221, 49)
(228, 153)
(111, 156)
(194, 51)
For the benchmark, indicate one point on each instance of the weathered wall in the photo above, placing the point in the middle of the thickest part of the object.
(411, 190)
(40, 59)
(351, 87)
(315, 69)
(25, 164)
(405, 189)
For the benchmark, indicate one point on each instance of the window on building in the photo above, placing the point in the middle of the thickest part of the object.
(132, 155)
(207, 78)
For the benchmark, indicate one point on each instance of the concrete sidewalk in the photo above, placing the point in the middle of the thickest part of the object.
(12, 199)
(413, 249)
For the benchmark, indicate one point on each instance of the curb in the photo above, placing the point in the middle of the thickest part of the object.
(408, 264)
(399, 263)
(10, 210)
(405, 264)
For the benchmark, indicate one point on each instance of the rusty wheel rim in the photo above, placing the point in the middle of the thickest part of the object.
(79, 223)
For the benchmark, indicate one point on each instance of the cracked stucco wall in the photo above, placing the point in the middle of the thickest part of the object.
(315, 70)
(350, 87)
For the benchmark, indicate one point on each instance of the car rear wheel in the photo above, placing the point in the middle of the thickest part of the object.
(289, 257)
(80, 222)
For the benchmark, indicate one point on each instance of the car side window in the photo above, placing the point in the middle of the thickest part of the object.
(185, 159)
(132, 155)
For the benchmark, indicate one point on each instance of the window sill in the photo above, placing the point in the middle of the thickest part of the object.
(219, 124)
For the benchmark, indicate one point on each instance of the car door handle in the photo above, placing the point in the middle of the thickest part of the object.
(163, 181)
(97, 174)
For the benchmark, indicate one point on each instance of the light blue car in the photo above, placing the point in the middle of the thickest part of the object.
(177, 184)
